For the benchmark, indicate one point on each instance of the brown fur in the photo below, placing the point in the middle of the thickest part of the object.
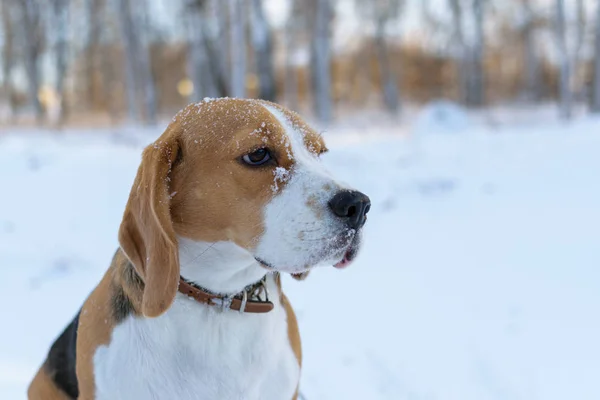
(293, 332)
(95, 327)
(190, 183)
(97, 319)
(96, 322)
(42, 387)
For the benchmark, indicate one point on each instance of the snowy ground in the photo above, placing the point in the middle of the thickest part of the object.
(480, 277)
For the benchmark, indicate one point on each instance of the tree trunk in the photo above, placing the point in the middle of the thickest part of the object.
(138, 63)
(199, 55)
(262, 39)
(532, 68)
(532, 79)
(237, 46)
(94, 23)
(111, 80)
(111, 72)
(575, 81)
(7, 57)
(476, 91)
(463, 63)
(321, 60)
(595, 106)
(565, 95)
(216, 71)
(144, 65)
(292, 29)
(127, 33)
(218, 49)
(33, 35)
(61, 19)
(389, 85)
(291, 72)
(196, 56)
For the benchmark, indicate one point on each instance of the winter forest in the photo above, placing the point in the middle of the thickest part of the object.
(114, 60)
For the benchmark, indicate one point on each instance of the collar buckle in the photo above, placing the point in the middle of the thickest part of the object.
(248, 300)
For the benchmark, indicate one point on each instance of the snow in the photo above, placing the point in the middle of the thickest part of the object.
(479, 278)
(281, 175)
(441, 117)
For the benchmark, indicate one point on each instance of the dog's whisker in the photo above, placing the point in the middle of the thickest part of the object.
(200, 255)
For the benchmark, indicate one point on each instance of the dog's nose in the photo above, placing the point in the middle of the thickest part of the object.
(352, 206)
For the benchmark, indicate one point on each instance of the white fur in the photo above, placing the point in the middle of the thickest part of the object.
(220, 267)
(300, 229)
(194, 351)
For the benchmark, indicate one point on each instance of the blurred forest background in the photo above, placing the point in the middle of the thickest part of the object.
(136, 61)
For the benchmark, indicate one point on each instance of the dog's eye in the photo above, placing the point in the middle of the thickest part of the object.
(257, 157)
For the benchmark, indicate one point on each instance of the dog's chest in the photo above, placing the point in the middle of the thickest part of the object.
(198, 352)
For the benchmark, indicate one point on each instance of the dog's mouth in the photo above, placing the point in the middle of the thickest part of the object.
(265, 264)
(349, 256)
(349, 244)
(341, 254)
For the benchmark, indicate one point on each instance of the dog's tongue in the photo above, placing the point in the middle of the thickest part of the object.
(344, 263)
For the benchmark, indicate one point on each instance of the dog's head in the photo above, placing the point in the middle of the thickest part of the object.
(241, 171)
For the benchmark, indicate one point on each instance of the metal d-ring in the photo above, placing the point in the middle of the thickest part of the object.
(244, 301)
(264, 285)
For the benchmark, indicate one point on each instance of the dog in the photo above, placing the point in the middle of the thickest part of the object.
(228, 198)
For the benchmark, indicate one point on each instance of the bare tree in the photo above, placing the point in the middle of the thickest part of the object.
(262, 42)
(60, 20)
(144, 64)
(218, 47)
(237, 48)
(129, 43)
(532, 81)
(33, 35)
(565, 95)
(293, 26)
(221, 34)
(198, 65)
(476, 91)
(321, 59)
(439, 31)
(580, 29)
(111, 73)
(8, 55)
(470, 55)
(595, 106)
(209, 19)
(138, 68)
(94, 11)
(383, 12)
(459, 38)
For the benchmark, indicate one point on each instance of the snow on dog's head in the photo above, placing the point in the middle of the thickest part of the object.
(245, 172)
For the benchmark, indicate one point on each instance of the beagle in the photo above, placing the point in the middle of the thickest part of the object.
(230, 196)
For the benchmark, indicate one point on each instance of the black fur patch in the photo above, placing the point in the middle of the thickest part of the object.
(121, 305)
(132, 278)
(60, 364)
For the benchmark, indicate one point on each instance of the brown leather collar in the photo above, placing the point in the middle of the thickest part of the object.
(248, 300)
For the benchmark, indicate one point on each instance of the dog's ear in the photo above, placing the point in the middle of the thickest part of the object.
(301, 276)
(146, 234)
